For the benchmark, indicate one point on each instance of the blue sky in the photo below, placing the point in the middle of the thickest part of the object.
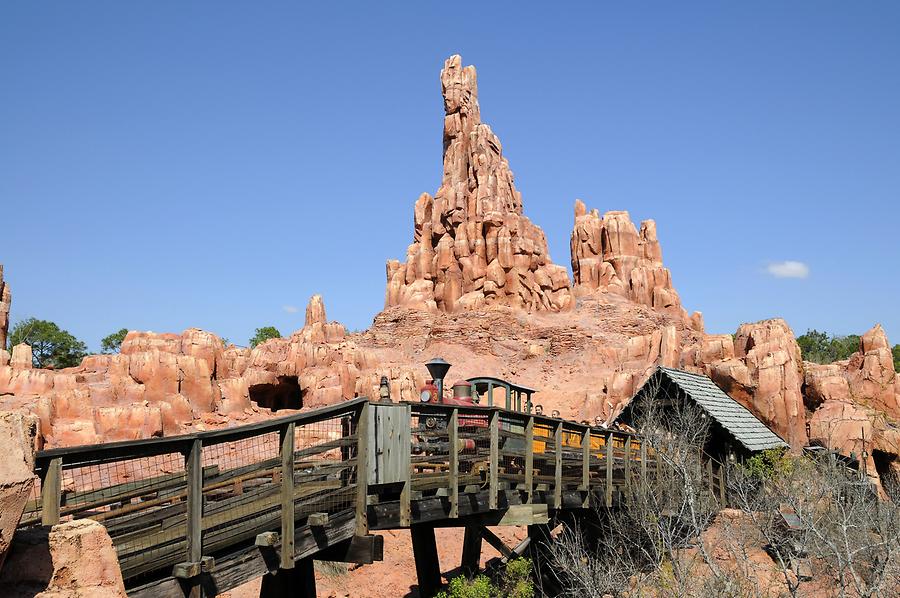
(167, 165)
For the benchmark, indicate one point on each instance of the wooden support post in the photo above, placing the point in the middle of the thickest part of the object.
(428, 568)
(628, 467)
(722, 485)
(610, 457)
(644, 461)
(362, 470)
(586, 467)
(529, 459)
(709, 474)
(471, 550)
(454, 463)
(193, 467)
(490, 394)
(494, 473)
(406, 457)
(299, 582)
(51, 492)
(287, 496)
(558, 467)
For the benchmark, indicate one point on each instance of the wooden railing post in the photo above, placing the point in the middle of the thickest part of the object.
(722, 485)
(709, 474)
(529, 459)
(193, 467)
(287, 496)
(644, 461)
(454, 462)
(628, 467)
(494, 474)
(406, 458)
(610, 457)
(51, 492)
(558, 468)
(362, 470)
(586, 467)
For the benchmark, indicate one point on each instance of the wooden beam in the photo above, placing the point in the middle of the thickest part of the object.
(362, 470)
(362, 550)
(628, 468)
(51, 492)
(193, 466)
(644, 461)
(529, 459)
(609, 468)
(496, 542)
(287, 496)
(453, 430)
(558, 469)
(317, 519)
(296, 582)
(471, 550)
(406, 458)
(494, 464)
(428, 568)
(722, 485)
(586, 467)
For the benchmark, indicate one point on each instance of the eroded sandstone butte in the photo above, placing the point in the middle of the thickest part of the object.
(479, 289)
(5, 302)
(472, 244)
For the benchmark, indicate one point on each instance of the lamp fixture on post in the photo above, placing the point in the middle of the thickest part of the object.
(438, 369)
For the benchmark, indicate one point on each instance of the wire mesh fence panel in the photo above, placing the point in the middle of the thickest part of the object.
(430, 455)
(140, 501)
(325, 466)
(512, 448)
(474, 447)
(241, 489)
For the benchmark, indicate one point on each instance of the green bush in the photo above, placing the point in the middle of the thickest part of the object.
(514, 582)
(768, 464)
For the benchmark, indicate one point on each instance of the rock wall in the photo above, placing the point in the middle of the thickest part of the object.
(472, 245)
(18, 434)
(608, 254)
(76, 559)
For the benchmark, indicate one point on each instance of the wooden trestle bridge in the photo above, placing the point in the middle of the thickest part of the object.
(203, 513)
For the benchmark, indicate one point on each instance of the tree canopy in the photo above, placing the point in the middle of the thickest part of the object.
(263, 334)
(820, 347)
(113, 342)
(50, 345)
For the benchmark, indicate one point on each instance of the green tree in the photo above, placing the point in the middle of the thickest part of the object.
(820, 347)
(263, 334)
(50, 345)
(113, 342)
(896, 352)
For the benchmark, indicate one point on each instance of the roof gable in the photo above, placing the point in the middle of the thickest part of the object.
(739, 421)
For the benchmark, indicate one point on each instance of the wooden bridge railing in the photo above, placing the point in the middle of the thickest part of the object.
(172, 502)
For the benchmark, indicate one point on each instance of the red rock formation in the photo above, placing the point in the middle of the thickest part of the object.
(5, 303)
(75, 559)
(765, 375)
(609, 255)
(473, 246)
(18, 433)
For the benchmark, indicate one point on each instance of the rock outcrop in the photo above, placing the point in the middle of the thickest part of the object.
(5, 304)
(608, 254)
(472, 245)
(76, 559)
(765, 374)
(18, 434)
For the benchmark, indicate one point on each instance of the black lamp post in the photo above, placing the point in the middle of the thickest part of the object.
(438, 368)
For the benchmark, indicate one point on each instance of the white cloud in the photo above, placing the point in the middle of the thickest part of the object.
(788, 269)
(291, 309)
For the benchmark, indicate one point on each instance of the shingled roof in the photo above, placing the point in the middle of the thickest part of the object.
(739, 421)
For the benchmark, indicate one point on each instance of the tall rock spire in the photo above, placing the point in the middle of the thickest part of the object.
(5, 302)
(472, 244)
